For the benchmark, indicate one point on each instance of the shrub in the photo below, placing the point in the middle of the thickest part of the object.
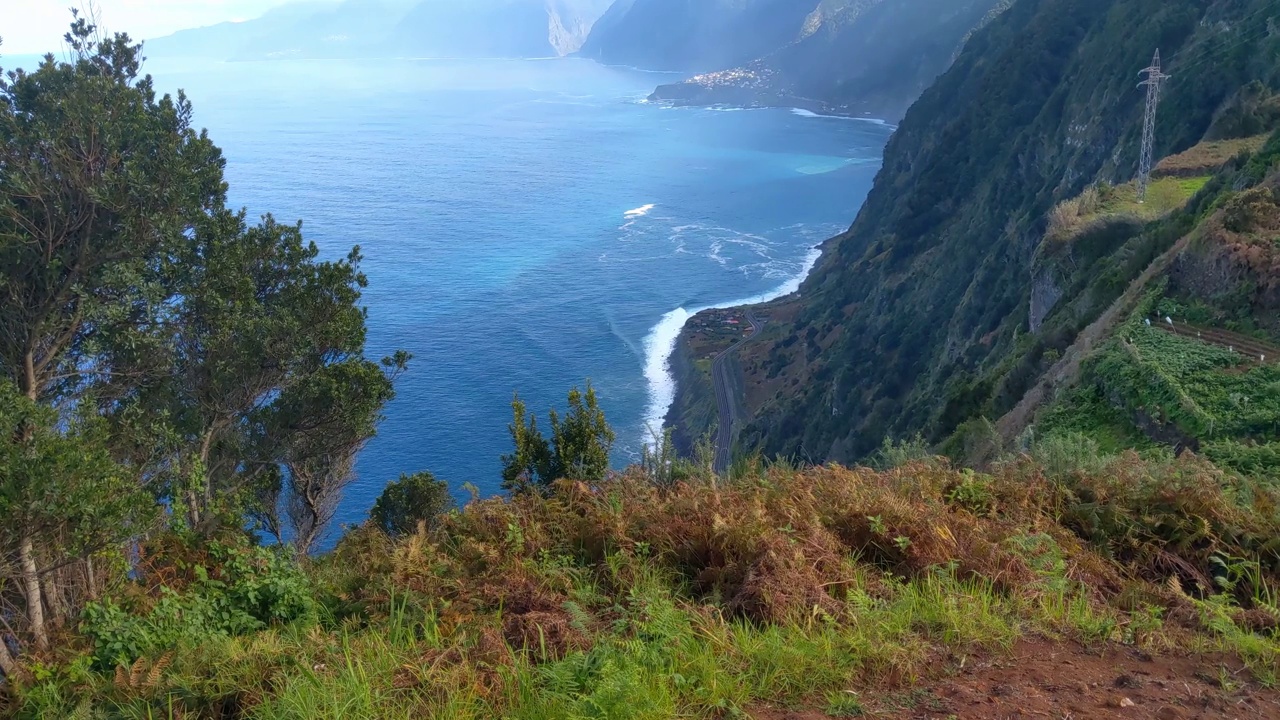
(896, 453)
(225, 591)
(413, 499)
(1067, 453)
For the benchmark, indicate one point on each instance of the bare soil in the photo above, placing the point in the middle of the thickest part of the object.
(1064, 681)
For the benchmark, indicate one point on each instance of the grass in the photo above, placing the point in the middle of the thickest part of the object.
(1099, 203)
(1207, 157)
(790, 587)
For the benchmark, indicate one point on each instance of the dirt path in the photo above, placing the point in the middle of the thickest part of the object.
(1250, 347)
(1067, 369)
(726, 403)
(1064, 681)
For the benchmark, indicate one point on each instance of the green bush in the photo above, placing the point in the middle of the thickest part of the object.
(1067, 453)
(1259, 461)
(896, 453)
(247, 589)
(411, 499)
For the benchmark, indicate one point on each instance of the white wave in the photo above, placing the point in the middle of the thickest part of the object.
(714, 253)
(824, 165)
(633, 68)
(758, 245)
(811, 114)
(661, 342)
(639, 212)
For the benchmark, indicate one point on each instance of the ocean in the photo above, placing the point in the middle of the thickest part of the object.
(527, 226)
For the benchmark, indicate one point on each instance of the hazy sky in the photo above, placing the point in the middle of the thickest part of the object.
(37, 26)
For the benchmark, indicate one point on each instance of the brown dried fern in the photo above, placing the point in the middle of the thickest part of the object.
(157, 670)
(135, 674)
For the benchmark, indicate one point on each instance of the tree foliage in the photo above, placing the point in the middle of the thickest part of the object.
(578, 450)
(413, 499)
(159, 354)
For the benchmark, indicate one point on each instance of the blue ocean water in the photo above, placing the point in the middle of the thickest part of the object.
(527, 225)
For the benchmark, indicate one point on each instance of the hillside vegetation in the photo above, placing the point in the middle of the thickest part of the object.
(826, 588)
(945, 302)
(183, 394)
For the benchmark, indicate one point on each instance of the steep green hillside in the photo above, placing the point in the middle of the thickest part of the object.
(1197, 364)
(917, 319)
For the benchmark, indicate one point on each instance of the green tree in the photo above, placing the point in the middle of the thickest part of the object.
(265, 376)
(97, 178)
(530, 464)
(223, 363)
(578, 450)
(412, 499)
(62, 492)
(100, 179)
(582, 438)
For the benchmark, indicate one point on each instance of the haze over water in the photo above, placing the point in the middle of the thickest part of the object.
(526, 225)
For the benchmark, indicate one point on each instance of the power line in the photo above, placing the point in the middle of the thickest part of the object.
(1154, 79)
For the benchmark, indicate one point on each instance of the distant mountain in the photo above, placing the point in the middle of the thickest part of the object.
(498, 28)
(694, 35)
(853, 56)
(382, 28)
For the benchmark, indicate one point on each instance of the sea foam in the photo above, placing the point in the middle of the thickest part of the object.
(661, 342)
(639, 212)
(811, 114)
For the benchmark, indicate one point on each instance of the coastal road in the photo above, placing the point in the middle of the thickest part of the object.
(728, 409)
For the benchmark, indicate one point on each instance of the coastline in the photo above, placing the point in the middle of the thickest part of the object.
(746, 99)
(815, 110)
(661, 342)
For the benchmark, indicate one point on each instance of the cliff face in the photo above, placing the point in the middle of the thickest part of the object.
(693, 413)
(388, 28)
(852, 56)
(1234, 265)
(694, 35)
(499, 28)
(917, 319)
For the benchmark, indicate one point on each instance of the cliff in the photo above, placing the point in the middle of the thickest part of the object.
(692, 415)
(694, 35)
(919, 318)
(861, 57)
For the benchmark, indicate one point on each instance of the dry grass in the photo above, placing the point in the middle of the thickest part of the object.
(623, 600)
(791, 543)
(1207, 157)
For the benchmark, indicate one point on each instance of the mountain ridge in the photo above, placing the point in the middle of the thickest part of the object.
(854, 57)
(387, 28)
(916, 319)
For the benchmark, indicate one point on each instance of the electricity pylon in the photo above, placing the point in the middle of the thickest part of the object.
(1154, 79)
